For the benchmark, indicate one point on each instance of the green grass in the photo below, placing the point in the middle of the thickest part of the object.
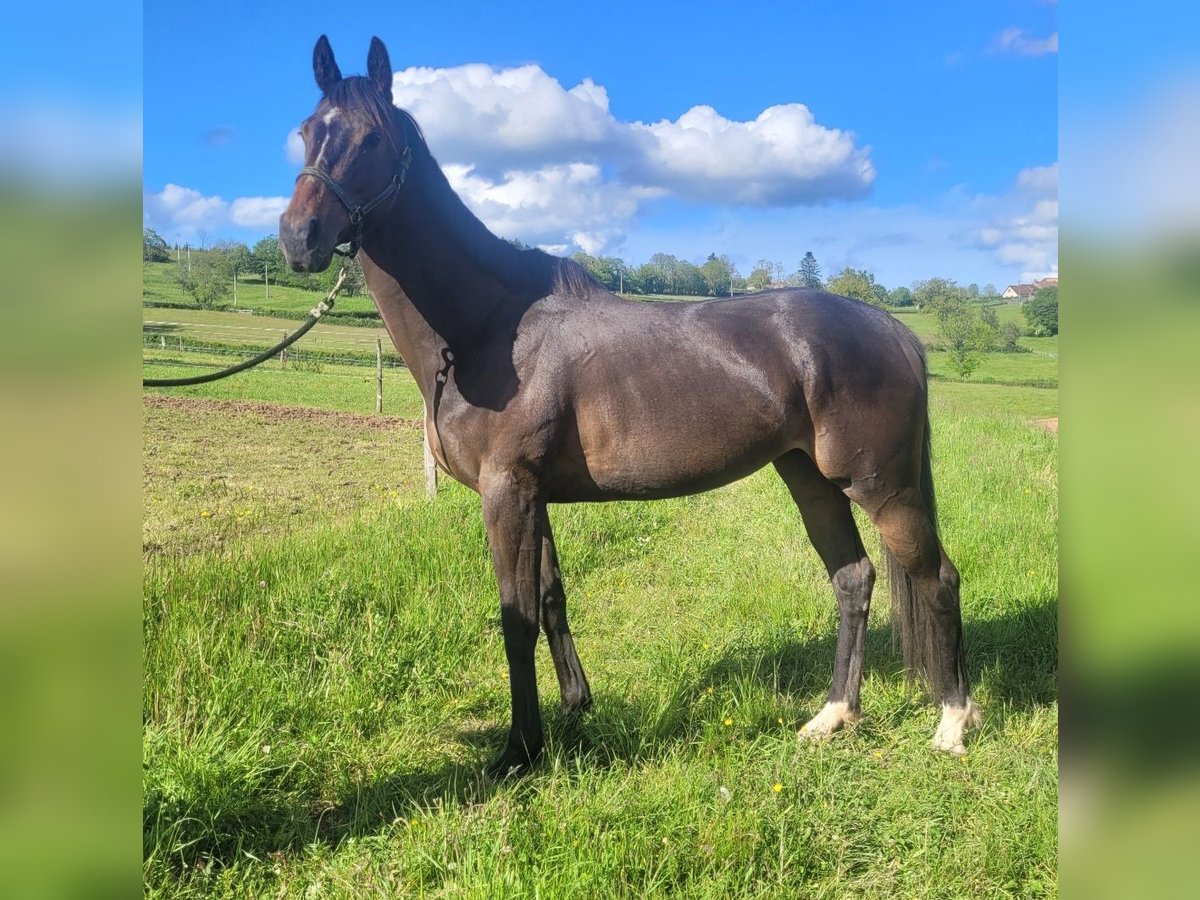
(159, 284)
(324, 676)
(322, 386)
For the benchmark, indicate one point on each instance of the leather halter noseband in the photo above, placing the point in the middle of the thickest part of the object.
(359, 211)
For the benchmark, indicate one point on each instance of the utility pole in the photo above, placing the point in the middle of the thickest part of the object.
(266, 283)
(189, 249)
(235, 288)
(621, 289)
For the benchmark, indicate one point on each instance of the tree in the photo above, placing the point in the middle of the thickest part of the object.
(689, 280)
(857, 283)
(154, 248)
(650, 279)
(267, 255)
(355, 280)
(966, 333)
(762, 275)
(935, 292)
(883, 296)
(237, 256)
(1041, 312)
(717, 272)
(989, 290)
(669, 271)
(208, 279)
(810, 272)
(901, 296)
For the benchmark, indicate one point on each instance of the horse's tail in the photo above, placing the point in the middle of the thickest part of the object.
(912, 624)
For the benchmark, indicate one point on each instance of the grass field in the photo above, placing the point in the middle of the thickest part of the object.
(1038, 369)
(324, 673)
(159, 284)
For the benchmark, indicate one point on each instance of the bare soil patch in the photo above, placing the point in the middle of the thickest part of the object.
(274, 412)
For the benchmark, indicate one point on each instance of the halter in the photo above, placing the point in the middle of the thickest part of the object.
(359, 211)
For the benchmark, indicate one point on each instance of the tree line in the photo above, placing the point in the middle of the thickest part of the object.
(967, 325)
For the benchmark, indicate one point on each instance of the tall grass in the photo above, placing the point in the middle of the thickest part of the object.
(324, 683)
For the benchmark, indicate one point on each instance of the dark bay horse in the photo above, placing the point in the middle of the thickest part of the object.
(542, 387)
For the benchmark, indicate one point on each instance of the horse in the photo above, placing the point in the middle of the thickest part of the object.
(542, 387)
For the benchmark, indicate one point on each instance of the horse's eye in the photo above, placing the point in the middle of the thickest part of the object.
(372, 139)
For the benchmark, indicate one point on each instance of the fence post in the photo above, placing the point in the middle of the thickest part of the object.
(431, 477)
(283, 355)
(378, 374)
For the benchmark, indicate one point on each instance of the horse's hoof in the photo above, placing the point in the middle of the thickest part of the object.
(831, 718)
(577, 707)
(512, 763)
(955, 721)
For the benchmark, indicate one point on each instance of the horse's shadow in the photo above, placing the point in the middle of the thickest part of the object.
(1012, 658)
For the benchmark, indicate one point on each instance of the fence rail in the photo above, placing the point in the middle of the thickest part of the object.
(245, 341)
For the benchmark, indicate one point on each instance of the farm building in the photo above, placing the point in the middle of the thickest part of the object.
(1018, 292)
(1023, 292)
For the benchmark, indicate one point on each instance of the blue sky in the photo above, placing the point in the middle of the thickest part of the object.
(909, 139)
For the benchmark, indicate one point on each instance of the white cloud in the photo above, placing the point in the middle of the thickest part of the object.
(1039, 179)
(1024, 228)
(552, 165)
(503, 117)
(294, 147)
(257, 212)
(558, 206)
(184, 208)
(186, 212)
(1017, 41)
(781, 158)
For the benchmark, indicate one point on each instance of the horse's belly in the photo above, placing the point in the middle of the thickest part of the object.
(668, 447)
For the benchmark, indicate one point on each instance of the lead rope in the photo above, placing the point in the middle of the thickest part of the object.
(314, 316)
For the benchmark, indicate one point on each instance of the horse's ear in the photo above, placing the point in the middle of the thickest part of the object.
(325, 68)
(379, 68)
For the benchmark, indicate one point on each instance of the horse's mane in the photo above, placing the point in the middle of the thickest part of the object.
(530, 272)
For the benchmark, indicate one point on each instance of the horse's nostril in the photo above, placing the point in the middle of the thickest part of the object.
(314, 231)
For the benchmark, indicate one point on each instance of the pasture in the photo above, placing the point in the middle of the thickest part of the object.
(325, 675)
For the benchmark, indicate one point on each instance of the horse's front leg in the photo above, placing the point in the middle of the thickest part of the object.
(511, 513)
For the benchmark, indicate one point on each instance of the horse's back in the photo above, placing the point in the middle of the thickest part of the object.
(669, 398)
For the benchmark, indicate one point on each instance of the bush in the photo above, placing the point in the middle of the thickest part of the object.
(1041, 312)
(966, 332)
(1010, 333)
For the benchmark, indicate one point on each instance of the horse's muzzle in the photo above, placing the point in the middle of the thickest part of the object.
(306, 248)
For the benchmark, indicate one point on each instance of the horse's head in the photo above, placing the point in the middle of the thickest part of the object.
(355, 159)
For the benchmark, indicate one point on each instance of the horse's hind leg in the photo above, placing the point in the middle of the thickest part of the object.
(926, 609)
(829, 522)
(576, 695)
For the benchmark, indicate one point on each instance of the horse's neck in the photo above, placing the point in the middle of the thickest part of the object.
(432, 291)
(417, 342)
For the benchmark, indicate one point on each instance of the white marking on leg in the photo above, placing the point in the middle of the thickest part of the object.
(955, 721)
(831, 718)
